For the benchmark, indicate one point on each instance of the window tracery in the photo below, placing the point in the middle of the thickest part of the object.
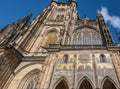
(33, 82)
(86, 36)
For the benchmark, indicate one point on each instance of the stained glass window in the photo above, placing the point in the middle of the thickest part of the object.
(32, 84)
(86, 36)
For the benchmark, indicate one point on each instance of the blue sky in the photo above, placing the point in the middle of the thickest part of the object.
(12, 10)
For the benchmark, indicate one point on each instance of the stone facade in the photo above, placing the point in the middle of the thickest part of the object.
(58, 50)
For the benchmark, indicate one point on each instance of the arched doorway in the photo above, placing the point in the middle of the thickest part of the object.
(62, 85)
(108, 85)
(85, 85)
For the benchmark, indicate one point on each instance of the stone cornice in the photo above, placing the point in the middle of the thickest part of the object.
(58, 48)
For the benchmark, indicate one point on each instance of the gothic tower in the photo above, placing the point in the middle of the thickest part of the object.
(59, 50)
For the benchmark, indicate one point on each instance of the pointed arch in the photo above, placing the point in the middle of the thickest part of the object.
(87, 26)
(103, 58)
(51, 38)
(86, 36)
(85, 83)
(50, 29)
(62, 83)
(30, 80)
(65, 58)
(108, 83)
(20, 74)
(51, 35)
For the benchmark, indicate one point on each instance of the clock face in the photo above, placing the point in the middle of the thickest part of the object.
(85, 58)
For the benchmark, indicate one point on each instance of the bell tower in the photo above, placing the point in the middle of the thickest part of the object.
(59, 50)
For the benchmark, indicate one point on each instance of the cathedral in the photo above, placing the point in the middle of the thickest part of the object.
(59, 50)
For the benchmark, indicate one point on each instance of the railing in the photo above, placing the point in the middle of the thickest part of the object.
(72, 47)
(84, 47)
(34, 58)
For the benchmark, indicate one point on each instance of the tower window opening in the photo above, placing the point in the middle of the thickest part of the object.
(103, 58)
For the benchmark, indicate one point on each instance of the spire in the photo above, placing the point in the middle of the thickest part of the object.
(27, 18)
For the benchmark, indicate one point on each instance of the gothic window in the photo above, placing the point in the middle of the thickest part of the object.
(74, 39)
(31, 85)
(79, 38)
(86, 36)
(65, 58)
(51, 38)
(60, 17)
(94, 41)
(30, 81)
(103, 58)
(33, 82)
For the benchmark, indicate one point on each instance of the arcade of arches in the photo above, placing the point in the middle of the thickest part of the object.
(86, 85)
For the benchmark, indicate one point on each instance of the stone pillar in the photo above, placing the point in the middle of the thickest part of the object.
(95, 71)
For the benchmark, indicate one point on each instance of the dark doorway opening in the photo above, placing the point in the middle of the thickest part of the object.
(85, 85)
(62, 85)
(108, 85)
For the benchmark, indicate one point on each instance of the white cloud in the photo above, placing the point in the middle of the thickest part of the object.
(113, 20)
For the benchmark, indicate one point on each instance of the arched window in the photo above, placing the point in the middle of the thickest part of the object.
(60, 17)
(30, 81)
(103, 58)
(31, 85)
(74, 40)
(79, 38)
(86, 36)
(51, 38)
(94, 39)
(33, 82)
(65, 58)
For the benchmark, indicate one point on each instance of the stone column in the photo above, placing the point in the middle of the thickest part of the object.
(95, 71)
